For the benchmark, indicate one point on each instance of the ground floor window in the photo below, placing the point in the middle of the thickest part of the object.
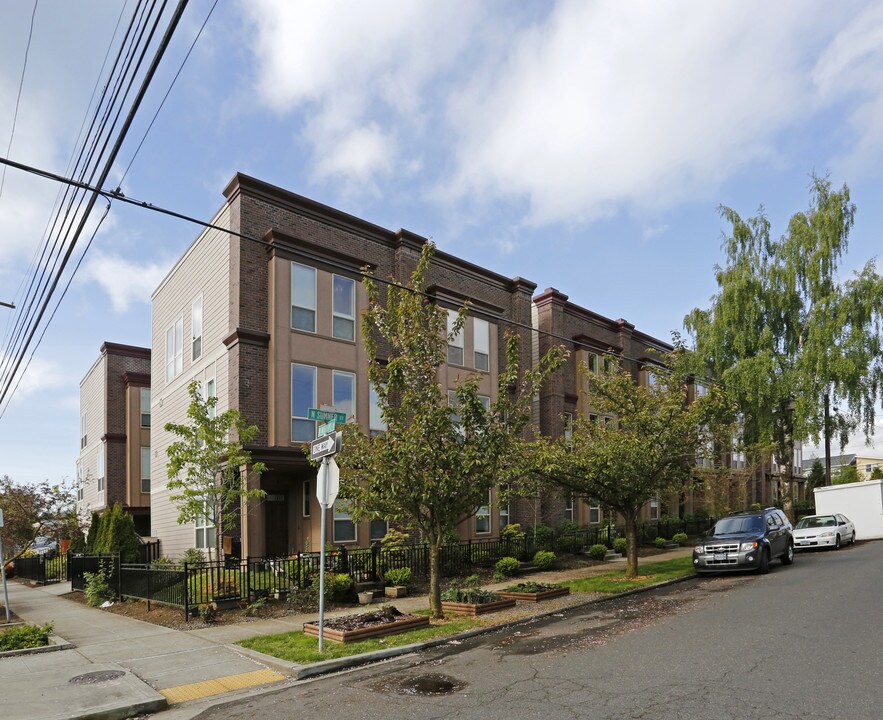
(344, 527)
(205, 533)
(594, 512)
(378, 530)
(483, 517)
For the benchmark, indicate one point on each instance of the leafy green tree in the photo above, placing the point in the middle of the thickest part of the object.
(115, 533)
(876, 473)
(92, 535)
(847, 474)
(438, 459)
(816, 476)
(205, 463)
(35, 509)
(798, 350)
(648, 449)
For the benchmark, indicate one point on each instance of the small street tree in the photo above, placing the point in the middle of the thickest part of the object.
(205, 462)
(36, 509)
(439, 456)
(798, 350)
(648, 449)
(815, 477)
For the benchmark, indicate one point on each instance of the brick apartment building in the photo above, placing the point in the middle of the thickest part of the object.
(114, 461)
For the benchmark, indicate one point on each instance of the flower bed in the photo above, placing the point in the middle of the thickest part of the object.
(350, 628)
(474, 601)
(534, 592)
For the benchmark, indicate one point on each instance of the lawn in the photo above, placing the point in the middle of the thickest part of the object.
(648, 574)
(299, 648)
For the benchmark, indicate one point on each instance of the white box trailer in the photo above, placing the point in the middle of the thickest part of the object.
(861, 502)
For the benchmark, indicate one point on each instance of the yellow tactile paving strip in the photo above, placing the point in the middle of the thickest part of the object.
(218, 686)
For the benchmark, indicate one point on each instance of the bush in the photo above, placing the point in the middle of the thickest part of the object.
(679, 538)
(398, 576)
(507, 566)
(473, 581)
(570, 543)
(394, 540)
(544, 559)
(512, 531)
(541, 533)
(621, 545)
(450, 537)
(480, 557)
(97, 588)
(303, 599)
(25, 636)
(598, 552)
(193, 556)
(660, 542)
(338, 586)
(162, 562)
(78, 543)
(567, 526)
(475, 596)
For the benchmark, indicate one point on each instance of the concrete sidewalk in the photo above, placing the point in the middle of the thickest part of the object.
(144, 667)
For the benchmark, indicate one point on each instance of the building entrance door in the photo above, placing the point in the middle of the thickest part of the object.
(276, 521)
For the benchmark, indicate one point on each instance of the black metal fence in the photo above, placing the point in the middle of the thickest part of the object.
(42, 569)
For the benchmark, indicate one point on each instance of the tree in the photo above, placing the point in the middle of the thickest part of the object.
(647, 450)
(799, 351)
(876, 473)
(115, 533)
(205, 463)
(32, 510)
(440, 456)
(816, 476)
(847, 474)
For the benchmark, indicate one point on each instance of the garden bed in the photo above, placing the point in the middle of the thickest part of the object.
(533, 592)
(475, 609)
(377, 623)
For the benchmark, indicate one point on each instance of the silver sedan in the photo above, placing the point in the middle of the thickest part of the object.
(831, 531)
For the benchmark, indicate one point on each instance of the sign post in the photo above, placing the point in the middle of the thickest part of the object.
(327, 484)
(3, 572)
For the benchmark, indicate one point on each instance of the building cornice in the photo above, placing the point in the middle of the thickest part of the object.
(110, 348)
(295, 248)
(136, 379)
(241, 336)
(114, 438)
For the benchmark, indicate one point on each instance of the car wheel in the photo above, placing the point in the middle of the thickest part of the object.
(837, 543)
(764, 566)
(852, 542)
(788, 557)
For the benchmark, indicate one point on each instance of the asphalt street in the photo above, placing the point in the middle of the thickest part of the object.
(801, 642)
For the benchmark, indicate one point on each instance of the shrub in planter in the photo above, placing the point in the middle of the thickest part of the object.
(621, 545)
(544, 559)
(476, 596)
(338, 586)
(398, 576)
(660, 542)
(597, 552)
(97, 589)
(507, 566)
(679, 538)
(22, 637)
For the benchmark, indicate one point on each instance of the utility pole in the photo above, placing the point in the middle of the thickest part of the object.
(6, 304)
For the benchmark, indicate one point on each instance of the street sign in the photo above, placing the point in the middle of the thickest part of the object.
(326, 415)
(327, 483)
(326, 445)
(327, 428)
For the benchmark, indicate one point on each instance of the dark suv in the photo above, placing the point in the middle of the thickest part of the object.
(746, 541)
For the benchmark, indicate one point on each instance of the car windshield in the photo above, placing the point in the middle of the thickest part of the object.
(816, 522)
(743, 524)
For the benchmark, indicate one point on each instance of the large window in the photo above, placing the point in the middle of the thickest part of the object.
(84, 435)
(455, 343)
(344, 527)
(145, 469)
(592, 362)
(303, 297)
(481, 340)
(196, 329)
(594, 512)
(99, 470)
(343, 308)
(175, 349)
(210, 392)
(483, 517)
(205, 532)
(568, 508)
(376, 425)
(654, 509)
(344, 393)
(378, 530)
(303, 397)
(504, 514)
(145, 407)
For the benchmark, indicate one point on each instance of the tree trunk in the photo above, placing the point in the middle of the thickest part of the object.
(631, 538)
(434, 580)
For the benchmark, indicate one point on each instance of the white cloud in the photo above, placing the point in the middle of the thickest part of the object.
(651, 232)
(41, 375)
(124, 281)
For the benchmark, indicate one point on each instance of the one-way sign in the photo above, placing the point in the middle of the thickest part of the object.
(327, 445)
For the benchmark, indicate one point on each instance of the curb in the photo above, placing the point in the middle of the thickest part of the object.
(56, 643)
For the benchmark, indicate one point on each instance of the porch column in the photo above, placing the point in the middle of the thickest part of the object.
(253, 520)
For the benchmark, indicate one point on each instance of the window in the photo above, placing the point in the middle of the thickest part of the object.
(303, 397)
(485, 402)
(307, 498)
(455, 343)
(303, 297)
(483, 517)
(568, 508)
(654, 509)
(609, 364)
(145, 469)
(343, 308)
(145, 407)
(84, 435)
(701, 390)
(205, 532)
(344, 527)
(376, 425)
(594, 512)
(378, 530)
(481, 343)
(504, 514)
(79, 482)
(344, 393)
(196, 329)
(210, 393)
(592, 362)
(99, 470)
(175, 349)
(593, 418)
(568, 425)
(454, 404)
(651, 378)
(608, 420)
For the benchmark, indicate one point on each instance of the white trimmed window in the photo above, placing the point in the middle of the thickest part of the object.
(80, 482)
(175, 349)
(84, 435)
(483, 517)
(303, 397)
(701, 390)
(455, 343)
(344, 392)
(481, 344)
(485, 402)
(344, 527)
(654, 509)
(99, 469)
(343, 308)
(196, 329)
(377, 530)
(568, 508)
(145, 469)
(303, 297)
(376, 425)
(504, 514)
(144, 402)
(594, 512)
(308, 495)
(568, 425)
(652, 380)
(205, 532)
(210, 392)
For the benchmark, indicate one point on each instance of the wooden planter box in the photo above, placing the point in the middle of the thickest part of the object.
(409, 622)
(395, 591)
(537, 596)
(477, 609)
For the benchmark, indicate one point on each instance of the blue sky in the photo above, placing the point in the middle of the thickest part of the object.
(583, 145)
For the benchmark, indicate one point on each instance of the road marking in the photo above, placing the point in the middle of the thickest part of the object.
(218, 686)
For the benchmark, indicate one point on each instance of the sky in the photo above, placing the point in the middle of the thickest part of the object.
(584, 145)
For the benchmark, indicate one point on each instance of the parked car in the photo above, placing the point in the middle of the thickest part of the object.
(44, 545)
(746, 541)
(831, 531)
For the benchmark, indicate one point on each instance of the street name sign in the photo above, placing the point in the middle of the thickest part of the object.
(326, 415)
(327, 428)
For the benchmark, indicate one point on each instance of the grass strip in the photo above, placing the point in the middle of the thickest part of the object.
(648, 574)
(298, 648)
